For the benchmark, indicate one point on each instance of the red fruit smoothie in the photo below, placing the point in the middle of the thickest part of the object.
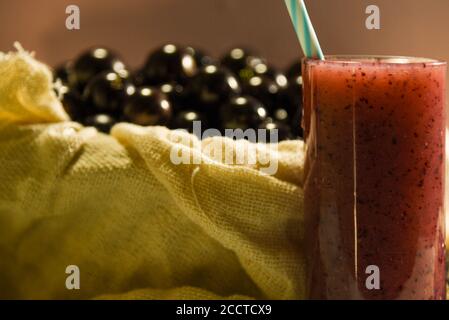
(374, 188)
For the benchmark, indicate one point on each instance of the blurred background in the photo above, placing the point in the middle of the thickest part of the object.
(133, 27)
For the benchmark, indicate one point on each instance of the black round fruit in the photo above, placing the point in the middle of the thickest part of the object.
(263, 89)
(295, 70)
(290, 98)
(106, 93)
(296, 124)
(253, 66)
(91, 63)
(170, 64)
(259, 67)
(147, 107)
(62, 72)
(201, 58)
(138, 78)
(185, 120)
(242, 112)
(103, 122)
(175, 94)
(283, 130)
(213, 85)
(281, 115)
(73, 103)
(236, 59)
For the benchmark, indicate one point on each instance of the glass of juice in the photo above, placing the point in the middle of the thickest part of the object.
(374, 182)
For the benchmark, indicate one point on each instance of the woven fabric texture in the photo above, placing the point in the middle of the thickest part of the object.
(137, 225)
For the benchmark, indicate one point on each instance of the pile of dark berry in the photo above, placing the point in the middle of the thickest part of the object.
(179, 85)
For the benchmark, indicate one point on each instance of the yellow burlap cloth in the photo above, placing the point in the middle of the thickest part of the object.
(136, 224)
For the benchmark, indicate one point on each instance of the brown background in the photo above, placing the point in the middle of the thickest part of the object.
(133, 27)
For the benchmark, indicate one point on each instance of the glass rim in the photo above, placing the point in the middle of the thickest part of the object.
(376, 59)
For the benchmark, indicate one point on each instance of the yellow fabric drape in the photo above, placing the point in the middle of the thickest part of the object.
(136, 225)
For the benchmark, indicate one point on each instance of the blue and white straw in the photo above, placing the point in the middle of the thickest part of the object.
(304, 29)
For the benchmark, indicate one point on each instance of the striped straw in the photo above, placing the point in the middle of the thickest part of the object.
(304, 29)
